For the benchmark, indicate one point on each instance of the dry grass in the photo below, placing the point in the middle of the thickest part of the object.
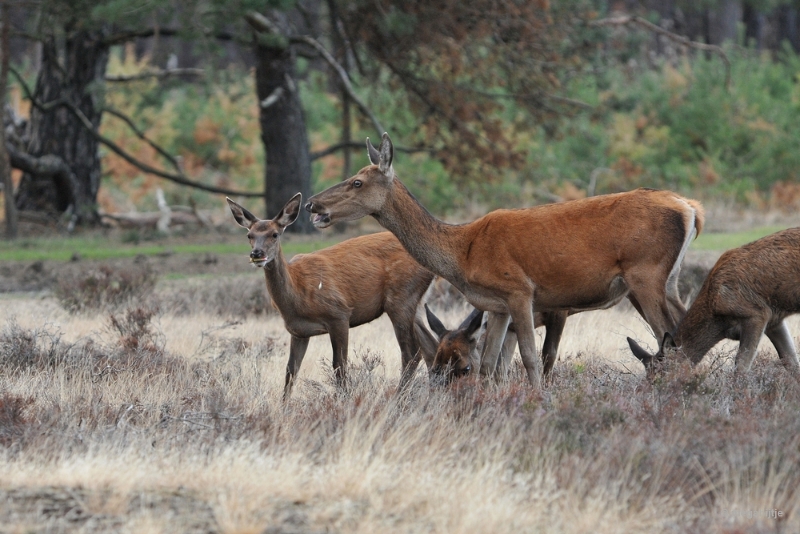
(173, 422)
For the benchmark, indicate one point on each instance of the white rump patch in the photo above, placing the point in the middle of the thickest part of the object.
(689, 219)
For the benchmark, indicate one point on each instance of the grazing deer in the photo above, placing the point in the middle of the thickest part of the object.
(578, 255)
(337, 288)
(457, 351)
(749, 292)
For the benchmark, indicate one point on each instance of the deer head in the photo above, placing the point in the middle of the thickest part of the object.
(360, 195)
(265, 235)
(454, 355)
(653, 362)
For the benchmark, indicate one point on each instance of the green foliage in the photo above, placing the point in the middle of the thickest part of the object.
(681, 128)
(670, 126)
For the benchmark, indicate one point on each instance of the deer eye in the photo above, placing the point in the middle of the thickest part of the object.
(356, 183)
(275, 234)
(249, 236)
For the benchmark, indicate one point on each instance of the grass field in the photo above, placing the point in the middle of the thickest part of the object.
(163, 422)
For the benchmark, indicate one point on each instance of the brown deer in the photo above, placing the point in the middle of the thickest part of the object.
(337, 288)
(749, 292)
(457, 351)
(578, 255)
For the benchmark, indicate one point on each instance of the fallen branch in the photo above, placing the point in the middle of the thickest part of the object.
(633, 20)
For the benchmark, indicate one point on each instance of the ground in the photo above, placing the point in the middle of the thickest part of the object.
(165, 415)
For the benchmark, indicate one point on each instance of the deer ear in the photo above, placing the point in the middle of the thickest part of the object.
(372, 152)
(472, 323)
(242, 216)
(290, 211)
(668, 347)
(435, 324)
(428, 344)
(387, 155)
(642, 355)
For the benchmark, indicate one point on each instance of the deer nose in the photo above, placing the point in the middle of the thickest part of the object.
(256, 254)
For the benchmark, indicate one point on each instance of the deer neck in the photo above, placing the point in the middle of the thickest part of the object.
(699, 331)
(435, 245)
(279, 282)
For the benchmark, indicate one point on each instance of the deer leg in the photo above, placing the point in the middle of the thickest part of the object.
(782, 340)
(554, 325)
(522, 315)
(506, 355)
(409, 348)
(339, 333)
(297, 350)
(496, 327)
(750, 335)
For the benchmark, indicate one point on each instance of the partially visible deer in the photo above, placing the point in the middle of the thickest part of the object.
(458, 351)
(578, 255)
(337, 288)
(749, 292)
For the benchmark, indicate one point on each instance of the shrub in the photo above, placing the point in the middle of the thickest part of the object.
(104, 288)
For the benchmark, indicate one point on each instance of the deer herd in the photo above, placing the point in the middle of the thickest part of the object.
(524, 268)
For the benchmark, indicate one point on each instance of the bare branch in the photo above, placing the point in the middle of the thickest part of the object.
(633, 20)
(47, 165)
(140, 134)
(160, 74)
(176, 178)
(343, 77)
(261, 23)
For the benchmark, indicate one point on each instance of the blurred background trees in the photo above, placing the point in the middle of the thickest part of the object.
(496, 103)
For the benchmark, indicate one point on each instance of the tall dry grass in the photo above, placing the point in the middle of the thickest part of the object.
(144, 421)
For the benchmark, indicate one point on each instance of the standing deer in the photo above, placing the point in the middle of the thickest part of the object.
(578, 255)
(749, 292)
(337, 288)
(457, 351)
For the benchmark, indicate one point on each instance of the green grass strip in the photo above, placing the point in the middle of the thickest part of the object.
(729, 240)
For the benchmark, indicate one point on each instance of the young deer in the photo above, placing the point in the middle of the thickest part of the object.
(458, 351)
(578, 255)
(749, 292)
(337, 288)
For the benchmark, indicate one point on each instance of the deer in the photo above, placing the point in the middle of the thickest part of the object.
(457, 351)
(570, 256)
(750, 291)
(337, 288)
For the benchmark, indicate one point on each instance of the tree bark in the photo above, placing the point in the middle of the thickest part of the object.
(72, 69)
(723, 20)
(5, 166)
(787, 26)
(283, 130)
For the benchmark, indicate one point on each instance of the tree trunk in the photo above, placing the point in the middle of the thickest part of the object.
(72, 69)
(787, 27)
(723, 20)
(5, 166)
(283, 131)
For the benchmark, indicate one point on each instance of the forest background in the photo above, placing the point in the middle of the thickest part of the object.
(498, 105)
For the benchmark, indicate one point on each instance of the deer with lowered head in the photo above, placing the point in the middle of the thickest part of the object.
(750, 291)
(332, 290)
(571, 256)
(457, 351)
